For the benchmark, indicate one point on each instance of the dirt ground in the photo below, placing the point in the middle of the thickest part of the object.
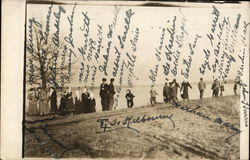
(192, 137)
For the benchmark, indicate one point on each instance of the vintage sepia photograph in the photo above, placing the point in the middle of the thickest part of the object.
(135, 80)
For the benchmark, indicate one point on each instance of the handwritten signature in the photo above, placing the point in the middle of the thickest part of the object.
(107, 126)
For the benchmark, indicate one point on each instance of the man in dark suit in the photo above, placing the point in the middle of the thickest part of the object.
(111, 94)
(104, 88)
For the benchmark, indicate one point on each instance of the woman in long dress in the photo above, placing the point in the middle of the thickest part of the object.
(32, 103)
(53, 100)
(69, 101)
(184, 87)
(43, 102)
(91, 103)
(84, 105)
(78, 102)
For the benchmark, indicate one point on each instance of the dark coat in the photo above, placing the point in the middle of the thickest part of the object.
(111, 89)
(104, 89)
(129, 96)
(53, 101)
(84, 104)
(91, 105)
(78, 105)
(185, 86)
(62, 106)
(69, 102)
(166, 91)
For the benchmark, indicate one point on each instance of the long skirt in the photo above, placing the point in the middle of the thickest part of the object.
(43, 107)
(33, 108)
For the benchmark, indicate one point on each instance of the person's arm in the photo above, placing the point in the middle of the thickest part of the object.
(189, 85)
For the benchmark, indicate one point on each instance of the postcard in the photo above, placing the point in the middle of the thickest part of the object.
(127, 80)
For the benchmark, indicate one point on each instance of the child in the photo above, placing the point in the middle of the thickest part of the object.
(153, 94)
(129, 96)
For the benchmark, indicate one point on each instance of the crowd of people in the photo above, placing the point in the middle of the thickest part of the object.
(170, 90)
(43, 102)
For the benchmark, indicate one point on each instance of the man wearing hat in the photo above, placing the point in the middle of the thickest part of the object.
(104, 89)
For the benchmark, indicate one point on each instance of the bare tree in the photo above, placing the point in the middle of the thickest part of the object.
(46, 60)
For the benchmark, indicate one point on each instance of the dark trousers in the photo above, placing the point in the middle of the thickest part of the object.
(201, 94)
(110, 102)
(174, 100)
(153, 100)
(104, 102)
(216, 92)
(130, 103)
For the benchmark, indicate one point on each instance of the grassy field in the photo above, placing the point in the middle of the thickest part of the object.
(192, 137)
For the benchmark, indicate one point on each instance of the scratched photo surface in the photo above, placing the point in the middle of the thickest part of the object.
(134, 81)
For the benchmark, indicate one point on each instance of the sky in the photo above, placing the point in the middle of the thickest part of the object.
(150, 21)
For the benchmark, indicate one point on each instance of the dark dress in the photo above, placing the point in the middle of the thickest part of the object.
(53, 101)
(130, 101)
(62, 106)
(111, 93)
(78, 105)
(185, 86)
(69, 102)
(84, 104)
(91, 105)
(166, 93)
(104, 88)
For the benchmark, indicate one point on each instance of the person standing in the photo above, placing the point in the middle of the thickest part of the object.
(42, 102)
(78, 101)
(153, 94)
(84, 105)
(104, 88)
(213, 86)
(91, 103)
(53, 100)
(69, 100)
(63, 100)
(166, 93)
(202, 87)
(235, 88)
(222, 89)
(174, 91)
(216, 88)
(130, 98)
(32, 103)
(184, 86)
(111, 93)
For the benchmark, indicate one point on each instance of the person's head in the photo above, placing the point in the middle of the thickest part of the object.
(152, 86)
(112, 80)
(170, 84)
(166, 83)
(84, 90)
(104, 80)
(78, 88)
(128, 91)
(201, 79)
(174, 80)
